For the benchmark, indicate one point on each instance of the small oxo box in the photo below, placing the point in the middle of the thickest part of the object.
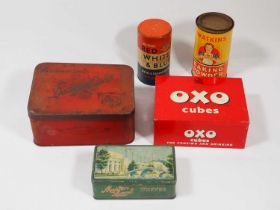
(77, 104)
(188, 113)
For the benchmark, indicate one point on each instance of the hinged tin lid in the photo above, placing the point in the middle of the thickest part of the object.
(81, 90)
(134, 164)
(181, 98)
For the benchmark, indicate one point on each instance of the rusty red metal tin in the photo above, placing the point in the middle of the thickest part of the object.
(82, 104)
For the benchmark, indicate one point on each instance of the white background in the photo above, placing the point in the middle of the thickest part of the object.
(88, 31)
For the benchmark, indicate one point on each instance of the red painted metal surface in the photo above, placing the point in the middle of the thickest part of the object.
(191, 114)
(76, 104)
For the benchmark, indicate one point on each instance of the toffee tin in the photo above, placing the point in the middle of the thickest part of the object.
(134, 172)
(77, 104)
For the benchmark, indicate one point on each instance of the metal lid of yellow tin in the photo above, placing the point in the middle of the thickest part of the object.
(214, 22)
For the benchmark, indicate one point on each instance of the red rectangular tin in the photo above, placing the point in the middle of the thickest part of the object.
(191, 114)
(80, 104)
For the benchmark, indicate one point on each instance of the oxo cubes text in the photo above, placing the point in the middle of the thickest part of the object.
(188, 113)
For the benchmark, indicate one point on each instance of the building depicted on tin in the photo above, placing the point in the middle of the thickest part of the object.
(117, 165)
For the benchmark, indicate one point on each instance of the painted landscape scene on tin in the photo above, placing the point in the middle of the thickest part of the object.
(136, 162)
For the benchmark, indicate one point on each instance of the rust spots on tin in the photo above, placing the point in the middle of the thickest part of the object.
(110, 98)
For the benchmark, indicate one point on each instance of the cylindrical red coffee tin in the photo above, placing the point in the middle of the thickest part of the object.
(212, 47)
(154, 43)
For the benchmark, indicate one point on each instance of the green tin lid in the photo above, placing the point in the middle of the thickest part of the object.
(134, 164)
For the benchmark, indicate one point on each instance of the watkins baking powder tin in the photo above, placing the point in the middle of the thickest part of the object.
(212, 47)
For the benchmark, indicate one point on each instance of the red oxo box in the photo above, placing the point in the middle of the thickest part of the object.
(77, 104)
(191, 114)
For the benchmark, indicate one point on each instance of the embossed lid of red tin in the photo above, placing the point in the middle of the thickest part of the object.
(75, 90)
(154, 28)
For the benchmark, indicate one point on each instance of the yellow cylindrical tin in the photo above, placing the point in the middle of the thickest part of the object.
(212, 47)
